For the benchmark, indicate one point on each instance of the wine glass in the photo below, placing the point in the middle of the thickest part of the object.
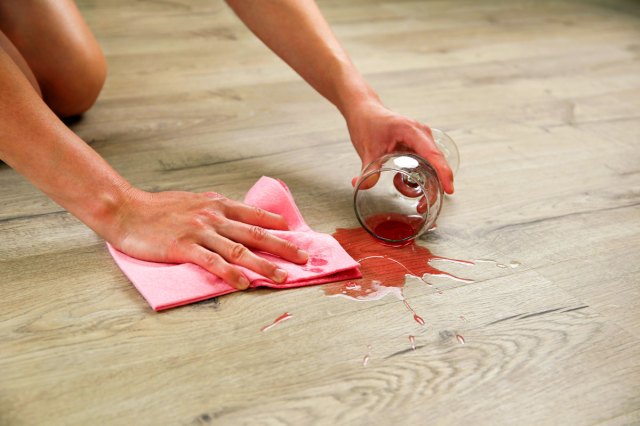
(399, 196)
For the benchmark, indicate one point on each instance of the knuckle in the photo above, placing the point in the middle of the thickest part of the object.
(260, 213)
(289, 246)
(258, 233)
(237, 251)
(223, 207)
(215, 218)
(211, 260)
(434, 153)
(197, 221)
(226, 272)
(229, 274)
(216, 203)
(406, 126)
(270, 268)
(214, 197)
(174, 248)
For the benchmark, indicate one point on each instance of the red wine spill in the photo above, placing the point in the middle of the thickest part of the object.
(412, 340)
(277, 321)
(384, 267)
(394, 226)
(462, 317)
(460, 339)
(315, 261)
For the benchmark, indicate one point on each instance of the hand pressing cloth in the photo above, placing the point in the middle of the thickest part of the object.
(166, 285)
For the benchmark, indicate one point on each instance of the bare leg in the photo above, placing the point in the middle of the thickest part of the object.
(15, 55)
(60, 50)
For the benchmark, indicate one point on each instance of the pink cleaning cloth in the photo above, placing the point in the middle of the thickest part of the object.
(166, 285)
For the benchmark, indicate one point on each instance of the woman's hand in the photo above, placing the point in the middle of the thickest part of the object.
(375, 131)
(206, 229)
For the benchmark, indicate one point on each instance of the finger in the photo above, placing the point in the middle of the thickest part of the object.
(241, 212)
(371, 180)
(424, 146)
(215, 264)
(214, 195)
(238, 254)
(428, 131)
(422, 205)
(260, 239)
(444, 173)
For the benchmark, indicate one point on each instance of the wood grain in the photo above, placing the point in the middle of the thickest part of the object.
(543, 100)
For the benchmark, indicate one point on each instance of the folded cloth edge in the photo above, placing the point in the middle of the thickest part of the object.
(131, 267)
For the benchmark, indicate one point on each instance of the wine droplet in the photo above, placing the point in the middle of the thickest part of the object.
(499, 265)
(277, 321)
(406, 303)
(384, 268)
(412, 340)
(460, 339)
(416, 317)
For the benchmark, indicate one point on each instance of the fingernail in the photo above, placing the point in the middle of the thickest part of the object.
(279, 275)
(243, 283)
(303, 255)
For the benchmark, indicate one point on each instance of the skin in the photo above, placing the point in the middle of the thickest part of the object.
(206, 229)
(315, 54)
(60, 51)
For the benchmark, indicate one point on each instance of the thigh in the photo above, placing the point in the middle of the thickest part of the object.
(59, 48)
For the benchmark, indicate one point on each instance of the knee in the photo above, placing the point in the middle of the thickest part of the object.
(73, 86)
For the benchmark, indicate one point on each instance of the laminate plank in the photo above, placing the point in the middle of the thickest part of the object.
(542, 99)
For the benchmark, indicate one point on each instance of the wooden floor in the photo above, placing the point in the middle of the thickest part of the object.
(543, 99)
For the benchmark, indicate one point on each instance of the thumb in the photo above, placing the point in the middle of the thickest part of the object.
(371, 180)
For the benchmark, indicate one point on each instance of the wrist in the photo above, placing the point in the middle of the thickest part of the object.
(356, 98)
(105, 210)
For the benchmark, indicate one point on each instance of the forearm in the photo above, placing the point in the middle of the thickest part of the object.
(35, 143)
(297, 32)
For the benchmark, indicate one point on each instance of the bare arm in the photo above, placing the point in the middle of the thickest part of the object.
(297, 32)
(204, 229)
(35, 143)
